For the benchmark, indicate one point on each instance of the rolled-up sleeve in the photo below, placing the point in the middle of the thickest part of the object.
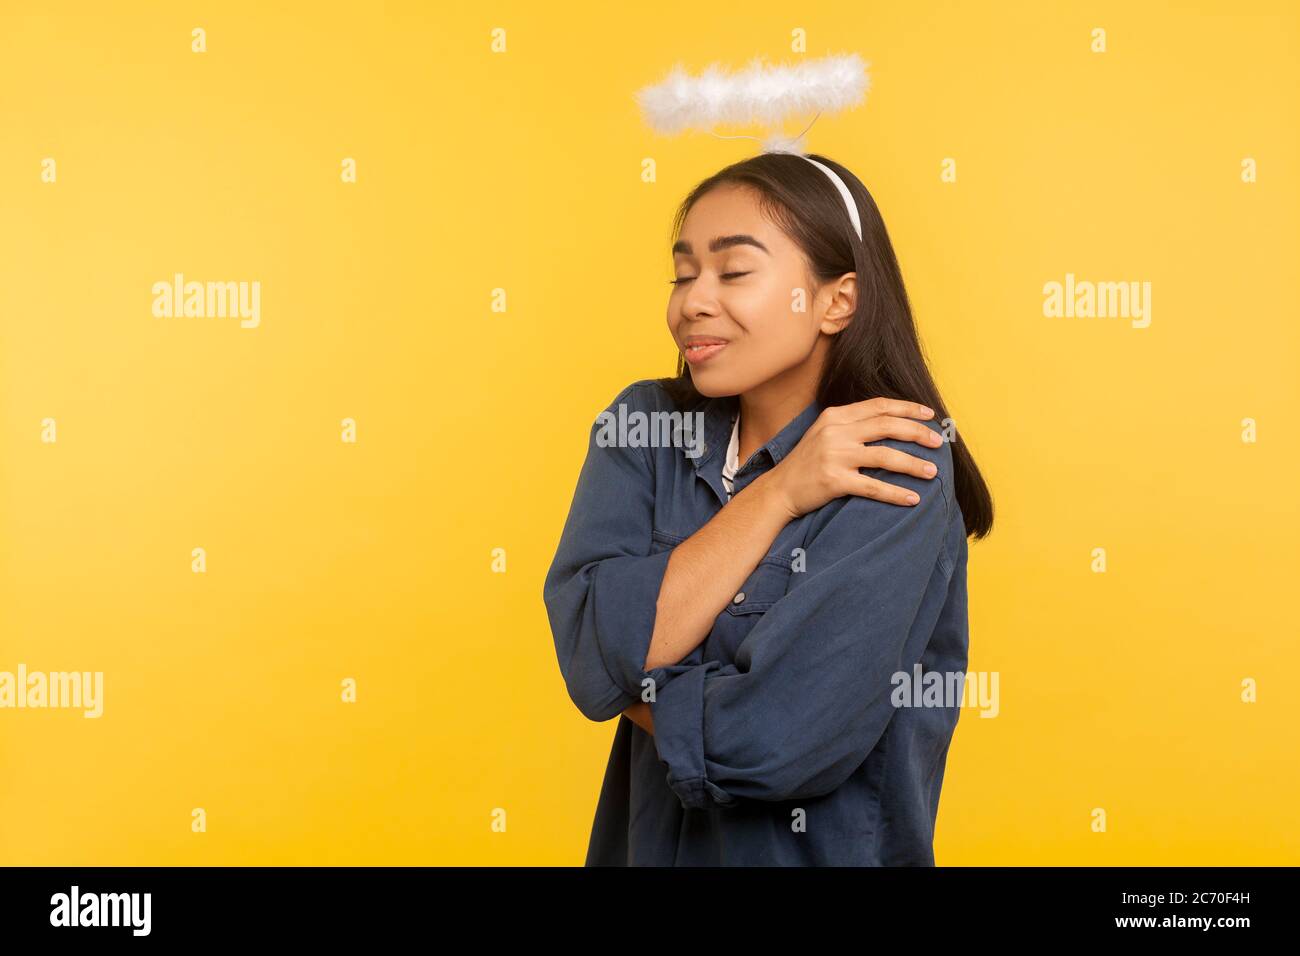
(603, 585)
(808, 696)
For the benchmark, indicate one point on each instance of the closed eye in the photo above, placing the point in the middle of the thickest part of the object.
(725, 275)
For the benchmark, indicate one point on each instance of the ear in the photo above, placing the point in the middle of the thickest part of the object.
(843, 294)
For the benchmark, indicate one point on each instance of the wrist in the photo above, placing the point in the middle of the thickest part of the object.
(770, 488)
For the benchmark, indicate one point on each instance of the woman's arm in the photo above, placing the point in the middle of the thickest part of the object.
(707, 569)
(601, 588)
(602, 591)
(811, 688)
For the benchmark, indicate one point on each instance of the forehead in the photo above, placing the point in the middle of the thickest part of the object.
(728, 210)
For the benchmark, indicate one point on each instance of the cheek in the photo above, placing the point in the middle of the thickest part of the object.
(773, 326)
(771, 306)
(777, 337)
(778, 346)
(674, 319)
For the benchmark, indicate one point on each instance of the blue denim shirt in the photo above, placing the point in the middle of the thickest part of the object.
(779, 740)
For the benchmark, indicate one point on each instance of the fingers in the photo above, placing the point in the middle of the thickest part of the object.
(868, 487)
(891, 459)
(878, 406)
(887, 426)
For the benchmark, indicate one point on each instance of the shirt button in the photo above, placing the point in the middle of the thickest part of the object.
(739, 598)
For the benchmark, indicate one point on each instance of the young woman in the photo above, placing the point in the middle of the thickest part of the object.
(759, 604)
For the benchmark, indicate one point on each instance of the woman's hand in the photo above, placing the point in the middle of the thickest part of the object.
(824, 464)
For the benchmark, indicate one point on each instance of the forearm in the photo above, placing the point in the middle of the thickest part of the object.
(706, 570)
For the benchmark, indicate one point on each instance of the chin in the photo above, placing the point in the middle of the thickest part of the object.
(713, 385)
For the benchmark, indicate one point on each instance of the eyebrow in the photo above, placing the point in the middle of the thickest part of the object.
(719, 243)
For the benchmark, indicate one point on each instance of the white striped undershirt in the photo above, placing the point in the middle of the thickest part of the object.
(733, 458)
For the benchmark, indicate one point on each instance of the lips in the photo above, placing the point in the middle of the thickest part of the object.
(701, 348)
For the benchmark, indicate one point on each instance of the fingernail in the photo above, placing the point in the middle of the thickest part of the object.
(928, 469)
(912, 499)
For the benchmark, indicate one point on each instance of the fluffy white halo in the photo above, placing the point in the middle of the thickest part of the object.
(758, 94)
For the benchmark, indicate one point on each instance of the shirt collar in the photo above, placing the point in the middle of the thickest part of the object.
(720, 417)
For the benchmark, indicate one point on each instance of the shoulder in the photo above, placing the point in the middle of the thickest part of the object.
(940, 457)
(643, 395)
(631, 397)
(856, 519)
(629, 422)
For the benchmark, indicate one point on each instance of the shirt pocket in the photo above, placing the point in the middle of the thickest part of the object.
(765, 586)
(663, 541)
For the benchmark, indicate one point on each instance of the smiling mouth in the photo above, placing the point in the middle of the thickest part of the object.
(695, 354)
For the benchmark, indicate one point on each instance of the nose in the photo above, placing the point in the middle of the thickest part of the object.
(700, 298)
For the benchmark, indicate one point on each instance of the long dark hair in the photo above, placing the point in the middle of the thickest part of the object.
(878, 353)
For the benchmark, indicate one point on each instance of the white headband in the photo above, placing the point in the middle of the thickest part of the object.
(844, 191)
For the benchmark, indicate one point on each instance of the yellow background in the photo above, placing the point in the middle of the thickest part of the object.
(521, 171)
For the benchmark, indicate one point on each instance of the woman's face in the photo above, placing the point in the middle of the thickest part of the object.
(743, 310)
